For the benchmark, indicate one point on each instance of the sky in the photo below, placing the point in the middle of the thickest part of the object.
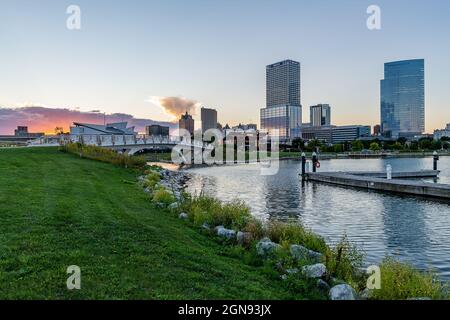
(128, 55)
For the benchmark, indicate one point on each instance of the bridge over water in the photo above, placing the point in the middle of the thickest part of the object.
(130, 144)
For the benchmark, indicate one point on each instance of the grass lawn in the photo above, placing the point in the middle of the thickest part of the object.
(58, 210)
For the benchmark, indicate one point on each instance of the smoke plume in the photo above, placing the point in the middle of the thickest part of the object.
(176, 106)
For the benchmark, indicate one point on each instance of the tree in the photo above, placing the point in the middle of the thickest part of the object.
(446, 145)
(414, 146)
(314, 144)
(338, 148)
(298, 143)
(436, 145)
(425, 144)
(59, 130)
(402, 140)
(374, 146)
(357, 145)
(397, 146)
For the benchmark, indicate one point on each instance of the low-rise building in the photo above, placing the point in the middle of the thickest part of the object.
(246, 127)
(335, 134)
(157, 130)
(22, 131)
(119, 128)
(439, 134)
(21, 136)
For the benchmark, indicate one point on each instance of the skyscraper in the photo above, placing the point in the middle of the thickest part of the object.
(283, 112)
(209, 119)
(403, 98)
(320, 115)
(187, 122)
(283, 83)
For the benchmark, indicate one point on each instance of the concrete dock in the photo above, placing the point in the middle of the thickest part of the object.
(377, 181)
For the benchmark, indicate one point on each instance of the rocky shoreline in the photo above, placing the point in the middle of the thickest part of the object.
(315, 270)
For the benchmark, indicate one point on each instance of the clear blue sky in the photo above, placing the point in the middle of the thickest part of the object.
(215, 52)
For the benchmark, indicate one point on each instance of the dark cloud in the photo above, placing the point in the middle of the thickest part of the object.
(41, 119)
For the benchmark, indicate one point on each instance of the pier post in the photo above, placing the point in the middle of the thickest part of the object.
(389, 172)
(435, 160)
(303, 165)
(314, 160)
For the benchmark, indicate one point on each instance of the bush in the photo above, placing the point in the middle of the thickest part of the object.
(344, 261)
(256, 228)
(201, 209)
(400, 281)
(152, 179)
(163, 196)
(294, 233)
(104, 155)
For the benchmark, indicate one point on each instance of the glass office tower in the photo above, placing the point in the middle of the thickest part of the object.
(283, 110)
(286, 119)
(403, 98)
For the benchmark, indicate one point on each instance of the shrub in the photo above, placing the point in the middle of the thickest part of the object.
(256, 228)
(344, 261)
(294, 233)
(400, 281)
(163, 196)
(152, 179)
(104, 155)
(202, 209)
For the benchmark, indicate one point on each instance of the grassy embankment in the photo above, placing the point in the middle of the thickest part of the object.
(58, 210)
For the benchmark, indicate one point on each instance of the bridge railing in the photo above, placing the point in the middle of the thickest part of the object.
(118, 140)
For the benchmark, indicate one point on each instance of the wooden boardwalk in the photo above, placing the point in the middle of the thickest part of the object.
(377, 181)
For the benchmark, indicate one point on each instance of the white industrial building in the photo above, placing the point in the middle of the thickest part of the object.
(119, 128)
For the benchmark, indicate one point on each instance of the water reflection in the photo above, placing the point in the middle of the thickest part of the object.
(405, 227)
(414, 230)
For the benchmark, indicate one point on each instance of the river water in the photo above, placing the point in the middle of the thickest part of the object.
(414, 230)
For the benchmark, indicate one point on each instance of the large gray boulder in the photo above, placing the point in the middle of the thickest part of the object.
(299, 253)
(342, 292)
(314, 271)
(266, 247)
(225, 233)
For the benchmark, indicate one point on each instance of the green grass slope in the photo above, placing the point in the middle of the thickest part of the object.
(58, 210)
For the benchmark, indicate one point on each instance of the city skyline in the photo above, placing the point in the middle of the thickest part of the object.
(136, 55)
